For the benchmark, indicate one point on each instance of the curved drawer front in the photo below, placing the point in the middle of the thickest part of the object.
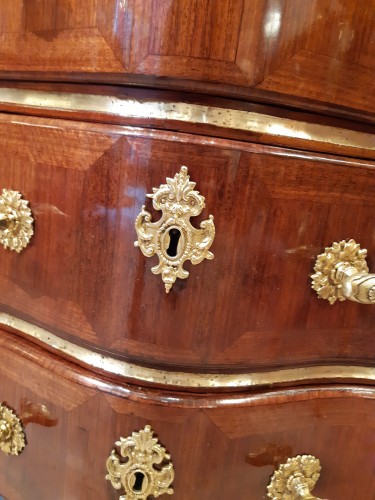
(237, 47)
(220, 446)
(251, 306)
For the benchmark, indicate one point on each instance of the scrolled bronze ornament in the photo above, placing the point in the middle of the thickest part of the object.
(16, 221)
(12, 437)
(341, 273)
(143, 469)
(295, 479)
(172, 238)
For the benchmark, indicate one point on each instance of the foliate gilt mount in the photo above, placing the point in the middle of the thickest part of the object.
(137, 473)
(295, 479)
(16, 221)
(341, 273)
(172, 238)
(12, 437)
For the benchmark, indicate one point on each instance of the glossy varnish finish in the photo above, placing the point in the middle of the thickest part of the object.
(318, 53)
(275, 210)
(222, 446)
(281, 189)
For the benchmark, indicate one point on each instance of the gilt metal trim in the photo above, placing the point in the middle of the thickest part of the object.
(197, 380)
(144, 467)
(185, 112)
(178, 201)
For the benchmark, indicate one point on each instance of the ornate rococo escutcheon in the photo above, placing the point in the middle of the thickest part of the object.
(136, 473)
(16, 221)
(172, 237)
(12, 437)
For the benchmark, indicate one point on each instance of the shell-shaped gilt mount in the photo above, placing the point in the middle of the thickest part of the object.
(16, 221)
(325, 281)
(172, 237)
(145, 469)
(299, 474)
(12, 437)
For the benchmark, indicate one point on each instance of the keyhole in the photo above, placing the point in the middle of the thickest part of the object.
(174, 236)
(139, 478)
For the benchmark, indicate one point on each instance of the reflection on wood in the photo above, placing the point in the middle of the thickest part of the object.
(316, 54)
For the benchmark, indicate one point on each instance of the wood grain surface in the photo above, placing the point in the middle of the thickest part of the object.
(251, 307)
(316, 54)
(222, 446)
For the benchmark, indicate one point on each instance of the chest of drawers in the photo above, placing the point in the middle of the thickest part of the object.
(239, 382)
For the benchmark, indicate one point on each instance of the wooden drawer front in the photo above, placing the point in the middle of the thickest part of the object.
(237, 47)
(221, 446)
(252, 306)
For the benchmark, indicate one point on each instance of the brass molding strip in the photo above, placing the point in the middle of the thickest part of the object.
(246, 121)
(140, 374)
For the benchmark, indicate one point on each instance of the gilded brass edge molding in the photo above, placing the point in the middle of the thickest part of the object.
(246, 121)
(139, 374)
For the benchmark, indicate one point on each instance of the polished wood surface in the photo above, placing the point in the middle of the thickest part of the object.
(222, 446)
(280, 190)
(251, 307)
(316, 54)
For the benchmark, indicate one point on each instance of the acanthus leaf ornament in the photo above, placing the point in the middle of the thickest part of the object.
(16, 221)
(172, 238)
(145, 469)
(12, 437)
(295, 479)
(341, 273)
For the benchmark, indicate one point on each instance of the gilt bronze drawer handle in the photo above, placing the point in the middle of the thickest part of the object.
(295, 479)
(16, 221)
(341, 273)
(146, 469)
(12, 437)
(172, 237)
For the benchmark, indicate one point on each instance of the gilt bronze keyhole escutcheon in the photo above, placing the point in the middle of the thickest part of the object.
(172, 238)
(143, 467)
